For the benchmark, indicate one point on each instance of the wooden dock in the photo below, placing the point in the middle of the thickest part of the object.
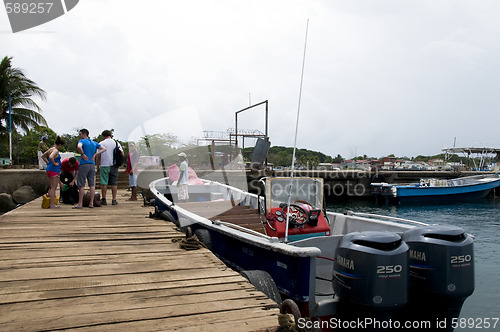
(112, 268)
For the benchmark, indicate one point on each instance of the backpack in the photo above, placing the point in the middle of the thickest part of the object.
(117, 156)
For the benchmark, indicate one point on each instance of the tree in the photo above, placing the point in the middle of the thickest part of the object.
(15, 85)
(157, 145)
(338, 159)
(71, 141)
(25, 148)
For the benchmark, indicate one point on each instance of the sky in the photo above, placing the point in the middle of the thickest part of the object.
(380, 76)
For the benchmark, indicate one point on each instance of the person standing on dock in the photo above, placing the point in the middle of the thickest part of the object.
(52, 159)
(42, 147)
(108, 170)
(133, 169)
(88, 149)
(183, 181)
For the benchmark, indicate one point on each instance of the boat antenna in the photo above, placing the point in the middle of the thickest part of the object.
(296, 131)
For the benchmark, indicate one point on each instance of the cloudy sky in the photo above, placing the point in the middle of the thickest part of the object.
(381, 76)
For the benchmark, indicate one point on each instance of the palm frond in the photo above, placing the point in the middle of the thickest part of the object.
(29, 114)
(15, 85)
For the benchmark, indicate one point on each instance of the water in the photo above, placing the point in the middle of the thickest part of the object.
(479, 219)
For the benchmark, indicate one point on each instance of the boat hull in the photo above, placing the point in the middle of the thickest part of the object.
(363, 250)
(445, 194)
(241, 255)
(416, 194)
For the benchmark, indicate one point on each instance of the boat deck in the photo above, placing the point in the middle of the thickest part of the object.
(111, 268)
(227, 211)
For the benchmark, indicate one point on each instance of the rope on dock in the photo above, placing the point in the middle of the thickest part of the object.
(190, 243)
(286, 321)
(290, 322)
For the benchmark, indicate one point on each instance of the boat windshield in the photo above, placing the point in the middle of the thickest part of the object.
(301, 190)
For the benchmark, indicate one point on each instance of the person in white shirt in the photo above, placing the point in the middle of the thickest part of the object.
(183, 181)
(108, 172)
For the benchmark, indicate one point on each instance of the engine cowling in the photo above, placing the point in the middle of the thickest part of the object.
(371, 270)
(441, 260)
(441, 271)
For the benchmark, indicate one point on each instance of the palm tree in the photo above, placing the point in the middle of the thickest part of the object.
(16, 86)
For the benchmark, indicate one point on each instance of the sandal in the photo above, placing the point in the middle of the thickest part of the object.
(77, 207)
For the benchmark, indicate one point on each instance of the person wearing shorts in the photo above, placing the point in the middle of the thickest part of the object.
(53, 160)
(42, 147)
(132, 169)
(183, 182)
(107, 170)
(86, 172)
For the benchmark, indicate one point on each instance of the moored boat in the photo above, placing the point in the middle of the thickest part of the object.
(332, 265)
(437, 190)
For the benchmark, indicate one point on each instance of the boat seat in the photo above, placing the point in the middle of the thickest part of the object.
(210, 208)
(242, 216)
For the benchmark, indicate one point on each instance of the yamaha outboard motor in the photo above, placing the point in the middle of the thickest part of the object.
(441, 273)
(371, 275)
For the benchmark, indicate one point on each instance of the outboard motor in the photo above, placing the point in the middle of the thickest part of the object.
(441, 273)
(371, 275)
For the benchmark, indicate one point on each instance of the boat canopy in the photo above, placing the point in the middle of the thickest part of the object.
(302, 190)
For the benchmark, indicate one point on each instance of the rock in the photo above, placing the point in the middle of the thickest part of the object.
(6, 203)
(24, 195)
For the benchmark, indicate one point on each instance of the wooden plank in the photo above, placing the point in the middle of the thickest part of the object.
(141, 298)
(47, 258)
(235, 321)
(12, 295)
(98, 269)
(49, 262)
(80, 244)
(111, 268)
(98, 313)
(177, 278)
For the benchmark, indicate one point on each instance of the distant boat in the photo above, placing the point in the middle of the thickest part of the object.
(437, 190)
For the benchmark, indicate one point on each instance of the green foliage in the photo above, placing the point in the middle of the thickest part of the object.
(71, 142)
(450, 158)
(282, 156)
(25, 147)
(99, 138)
(25, 150)
(427, 158)
(14, 85)
(337, 159)
(4, 146)
(157, 145)
(166, 146)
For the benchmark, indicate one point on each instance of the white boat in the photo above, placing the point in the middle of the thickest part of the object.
(331, 265)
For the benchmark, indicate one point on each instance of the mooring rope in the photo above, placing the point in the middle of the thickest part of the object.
(189, 242)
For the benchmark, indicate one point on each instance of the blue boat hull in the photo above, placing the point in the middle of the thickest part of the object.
(446, 198)
(473, 192)
(290, 273)
(456, 190)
